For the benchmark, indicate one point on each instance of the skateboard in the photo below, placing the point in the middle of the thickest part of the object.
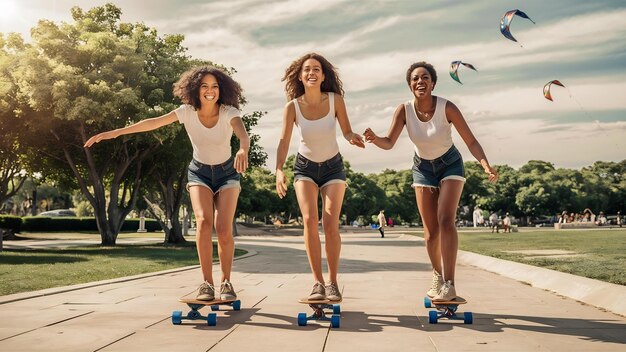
(447, 310)
(319, 312)
(195, 305)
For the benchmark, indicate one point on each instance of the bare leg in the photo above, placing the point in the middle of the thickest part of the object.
(332, 200)
(202, 203)
(225, 206)
(307, 193)
(449, 196)
(427, 199)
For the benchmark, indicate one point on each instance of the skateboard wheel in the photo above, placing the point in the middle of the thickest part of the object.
(215, 307)
(336, 308)
(301, 319)
(334, 321)
(211, 319)
(177, 317)
(427, 302)
(468, 318)
(237, 305)
(432, 317)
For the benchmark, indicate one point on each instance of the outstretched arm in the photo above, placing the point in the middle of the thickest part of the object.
(344, 123)
(141, 126)
(456, 118)
(399, 120)
(241, 158)
(289, 118)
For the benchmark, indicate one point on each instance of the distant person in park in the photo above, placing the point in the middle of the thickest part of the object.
(588, 216)
(618, 219)
(477, 216)
(381, 223)
(563, 219)
(315, 106)
(210, 113)
(506, 223)
(493, 222)
(601, 221)
(438, 172)
(390, 222)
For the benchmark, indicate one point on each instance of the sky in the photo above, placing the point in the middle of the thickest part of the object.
(372, 43)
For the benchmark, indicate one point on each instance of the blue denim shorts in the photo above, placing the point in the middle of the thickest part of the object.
(214, 177)
(322, 174)
(430, 173)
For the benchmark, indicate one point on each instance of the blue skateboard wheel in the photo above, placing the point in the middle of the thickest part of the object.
(237, 305)
(211, 319)
(215, 307)
(468, 318)
(427, 302)
(334, 321)
(336, 308)
(177, 317)
(432, 317)
(301, 319)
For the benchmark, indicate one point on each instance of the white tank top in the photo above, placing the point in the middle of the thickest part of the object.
(318, 140)
(432, 138)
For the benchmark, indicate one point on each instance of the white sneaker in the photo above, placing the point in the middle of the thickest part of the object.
(435, 286)
(447, 292)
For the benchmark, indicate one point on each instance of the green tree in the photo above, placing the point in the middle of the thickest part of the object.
(363, 196)
(12, 120)
(88, 76)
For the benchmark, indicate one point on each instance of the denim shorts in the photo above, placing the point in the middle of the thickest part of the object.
(430, 173)
(214, 177)
(322, 174)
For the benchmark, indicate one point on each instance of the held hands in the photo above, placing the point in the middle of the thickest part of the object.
(370, 136)
(356, 139)
(281, 183)
(241, 161)
(100, 137)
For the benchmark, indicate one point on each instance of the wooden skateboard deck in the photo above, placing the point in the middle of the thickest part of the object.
(447, 309)
(319, 312)
(195, 305)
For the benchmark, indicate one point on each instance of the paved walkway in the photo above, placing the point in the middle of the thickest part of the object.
(383, 282)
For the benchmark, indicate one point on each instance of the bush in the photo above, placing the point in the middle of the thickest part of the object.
(74, 224)
(10, 222)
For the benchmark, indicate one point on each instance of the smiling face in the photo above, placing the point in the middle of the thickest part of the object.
(421, 83)
(311, 74)
(209, 89)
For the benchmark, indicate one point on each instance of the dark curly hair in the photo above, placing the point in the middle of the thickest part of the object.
(188, 86)
(424, 64)
(295, 88)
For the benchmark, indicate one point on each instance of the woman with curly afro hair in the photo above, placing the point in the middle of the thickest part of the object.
(210, 114)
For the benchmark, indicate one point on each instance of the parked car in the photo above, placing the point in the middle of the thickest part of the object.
(542, 221)
(58, 212)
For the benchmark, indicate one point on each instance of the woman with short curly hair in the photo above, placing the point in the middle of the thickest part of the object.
(438, 171)
(210, 113)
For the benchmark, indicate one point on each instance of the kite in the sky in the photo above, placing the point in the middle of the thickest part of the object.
(546, 88)
(454, 67)
(505, 22)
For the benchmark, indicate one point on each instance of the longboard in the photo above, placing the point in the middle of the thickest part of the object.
(195, 305)
(319, 312)
(447, 309)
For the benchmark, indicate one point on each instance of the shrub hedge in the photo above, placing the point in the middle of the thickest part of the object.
(10, 222)
(69, 224)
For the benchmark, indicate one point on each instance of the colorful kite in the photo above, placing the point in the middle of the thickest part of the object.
(546, 88)
(454, 67)
(505, 22)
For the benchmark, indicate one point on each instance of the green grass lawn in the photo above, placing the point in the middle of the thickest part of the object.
(602, 253)
(30, 270)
